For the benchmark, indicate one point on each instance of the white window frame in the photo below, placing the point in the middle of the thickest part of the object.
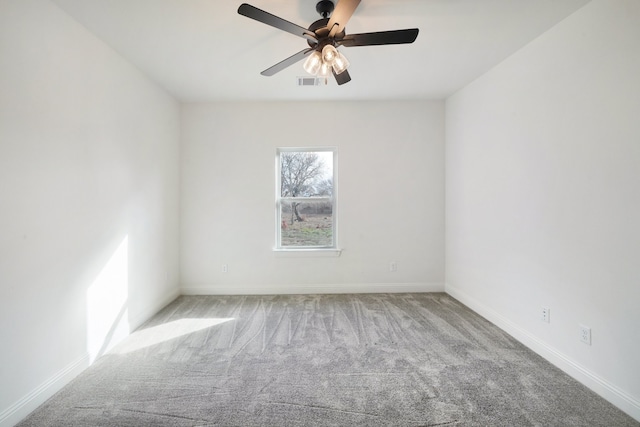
(329, 250)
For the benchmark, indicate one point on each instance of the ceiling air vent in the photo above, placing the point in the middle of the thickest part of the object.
(310, 81)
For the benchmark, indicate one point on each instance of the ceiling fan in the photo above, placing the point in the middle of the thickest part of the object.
(324, 36)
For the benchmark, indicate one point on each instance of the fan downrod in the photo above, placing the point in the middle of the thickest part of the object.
(324, 8)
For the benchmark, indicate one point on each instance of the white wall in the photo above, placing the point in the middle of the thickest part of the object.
(543, 196)
(89, 154)
(390, 196)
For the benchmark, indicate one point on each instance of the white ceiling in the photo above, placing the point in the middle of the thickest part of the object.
(202, 50)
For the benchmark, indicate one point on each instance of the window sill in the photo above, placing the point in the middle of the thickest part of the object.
(307, 253)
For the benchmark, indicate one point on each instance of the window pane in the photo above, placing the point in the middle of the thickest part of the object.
(306, 223)
(306, 173)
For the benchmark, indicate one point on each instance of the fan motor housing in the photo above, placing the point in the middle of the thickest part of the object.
(320, 23)
(321, 31)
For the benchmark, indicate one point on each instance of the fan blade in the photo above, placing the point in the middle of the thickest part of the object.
(342, 78)
(382, 37)
(341, 15)
(287, 62)
(275, 21)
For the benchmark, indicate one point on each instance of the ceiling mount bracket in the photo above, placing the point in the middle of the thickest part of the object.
(324, 8)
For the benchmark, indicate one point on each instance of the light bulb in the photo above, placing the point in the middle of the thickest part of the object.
(313, 63)
(340, 64)
(329, 54)
(325, 70)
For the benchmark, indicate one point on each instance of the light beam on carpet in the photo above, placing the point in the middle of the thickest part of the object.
(165, 332)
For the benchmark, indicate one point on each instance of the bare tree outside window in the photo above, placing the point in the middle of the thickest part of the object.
(306, 199)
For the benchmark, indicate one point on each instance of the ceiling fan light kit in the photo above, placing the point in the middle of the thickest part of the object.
(324, 36)
(321, 64)
(340, 64)
(325, 70)
(313, 63)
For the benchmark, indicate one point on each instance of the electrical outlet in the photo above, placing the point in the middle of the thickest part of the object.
(393, 266)
(585, 334)
(545, 314)
(225, 268)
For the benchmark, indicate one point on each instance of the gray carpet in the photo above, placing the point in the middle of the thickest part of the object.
(323, 360)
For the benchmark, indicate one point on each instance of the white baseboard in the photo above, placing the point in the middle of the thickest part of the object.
(23, 407)
(356, 288)
(605, 389)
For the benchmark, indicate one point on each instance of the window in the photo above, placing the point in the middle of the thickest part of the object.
(305, 198)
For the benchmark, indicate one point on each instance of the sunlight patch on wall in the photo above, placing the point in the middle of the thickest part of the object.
(165, 332)
(107, 311)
